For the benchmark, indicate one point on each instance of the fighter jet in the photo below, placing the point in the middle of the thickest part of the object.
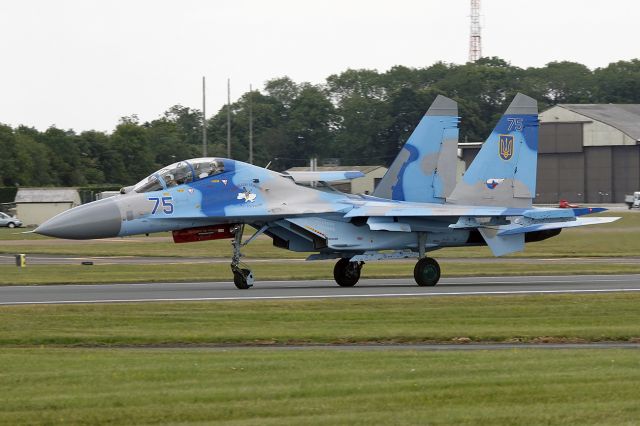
(413, 211)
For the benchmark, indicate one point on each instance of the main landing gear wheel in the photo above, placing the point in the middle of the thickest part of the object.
(426, 272)
(347, 273)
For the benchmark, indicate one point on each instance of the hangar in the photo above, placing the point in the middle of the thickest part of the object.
(588, 153)
(36, 205)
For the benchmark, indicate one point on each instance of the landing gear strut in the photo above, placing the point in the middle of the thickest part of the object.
(242, 277)
(426, 272)
(347, 273)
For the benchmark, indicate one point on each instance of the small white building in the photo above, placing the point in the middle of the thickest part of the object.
(36, 205)
(363, 185)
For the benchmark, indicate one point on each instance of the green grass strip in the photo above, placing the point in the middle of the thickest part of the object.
(319, 387)
(185, 272)
(549, 318)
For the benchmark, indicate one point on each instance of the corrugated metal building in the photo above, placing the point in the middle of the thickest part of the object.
(588, 153)
(36, 205)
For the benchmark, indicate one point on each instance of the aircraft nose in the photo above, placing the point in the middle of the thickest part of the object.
(99, 219)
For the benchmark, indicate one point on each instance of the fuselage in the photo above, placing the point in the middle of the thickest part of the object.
(235, 193)
(296, 217)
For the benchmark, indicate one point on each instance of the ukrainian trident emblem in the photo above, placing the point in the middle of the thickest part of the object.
(506, 147)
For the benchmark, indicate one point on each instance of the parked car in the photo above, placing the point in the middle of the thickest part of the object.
(633, 201)
(9, 221)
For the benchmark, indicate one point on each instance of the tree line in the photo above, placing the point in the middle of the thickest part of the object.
(358, 116)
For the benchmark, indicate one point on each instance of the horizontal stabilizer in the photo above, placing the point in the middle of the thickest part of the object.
(502, 244)
(324, 176)
(581, 221)
(549, 214)
(581, 211)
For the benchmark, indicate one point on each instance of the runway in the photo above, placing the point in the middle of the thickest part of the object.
(51, 259)
(318, 289)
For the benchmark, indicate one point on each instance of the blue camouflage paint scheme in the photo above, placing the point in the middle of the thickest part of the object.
(399, 188)
(414, 174)
(581, 211)
(491, 165)
(413, 184)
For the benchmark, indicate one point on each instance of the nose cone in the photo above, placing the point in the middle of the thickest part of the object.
(99, 219)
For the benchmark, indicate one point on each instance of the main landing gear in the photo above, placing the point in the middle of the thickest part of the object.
(426, 272)
(347, 273)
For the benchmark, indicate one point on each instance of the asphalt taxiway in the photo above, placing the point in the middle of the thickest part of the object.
(51, 259)
(316, 289)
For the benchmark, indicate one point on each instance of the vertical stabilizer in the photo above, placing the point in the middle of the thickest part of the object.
(504, 171)
(425, 168)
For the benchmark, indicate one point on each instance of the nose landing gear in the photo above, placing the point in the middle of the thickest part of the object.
(242, 277)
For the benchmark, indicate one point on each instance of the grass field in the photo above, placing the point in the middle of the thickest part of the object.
(92, 364)
(572, 318)
(264, 387)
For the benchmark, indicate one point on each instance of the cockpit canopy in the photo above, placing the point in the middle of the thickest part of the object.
(180, 173)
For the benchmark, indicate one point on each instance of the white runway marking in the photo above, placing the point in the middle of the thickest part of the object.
(328, 296)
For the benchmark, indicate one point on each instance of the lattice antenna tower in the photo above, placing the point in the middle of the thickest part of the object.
(475, 39)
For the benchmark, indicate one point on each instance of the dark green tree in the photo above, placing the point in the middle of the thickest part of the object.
(619, 82)
(311, 122)
(131, 156)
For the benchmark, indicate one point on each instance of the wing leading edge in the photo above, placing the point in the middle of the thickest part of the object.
(332, 176)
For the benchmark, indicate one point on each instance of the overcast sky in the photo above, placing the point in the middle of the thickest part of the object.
(83, 64)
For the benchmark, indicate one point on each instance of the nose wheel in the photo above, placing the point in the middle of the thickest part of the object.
(242, 277)
(426, 272)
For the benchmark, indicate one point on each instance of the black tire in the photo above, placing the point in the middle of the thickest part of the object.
(240, 279)
(346, 273)
(11, 225)
(427, 272)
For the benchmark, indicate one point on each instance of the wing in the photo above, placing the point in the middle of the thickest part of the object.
(333, 176)
(503, 229)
